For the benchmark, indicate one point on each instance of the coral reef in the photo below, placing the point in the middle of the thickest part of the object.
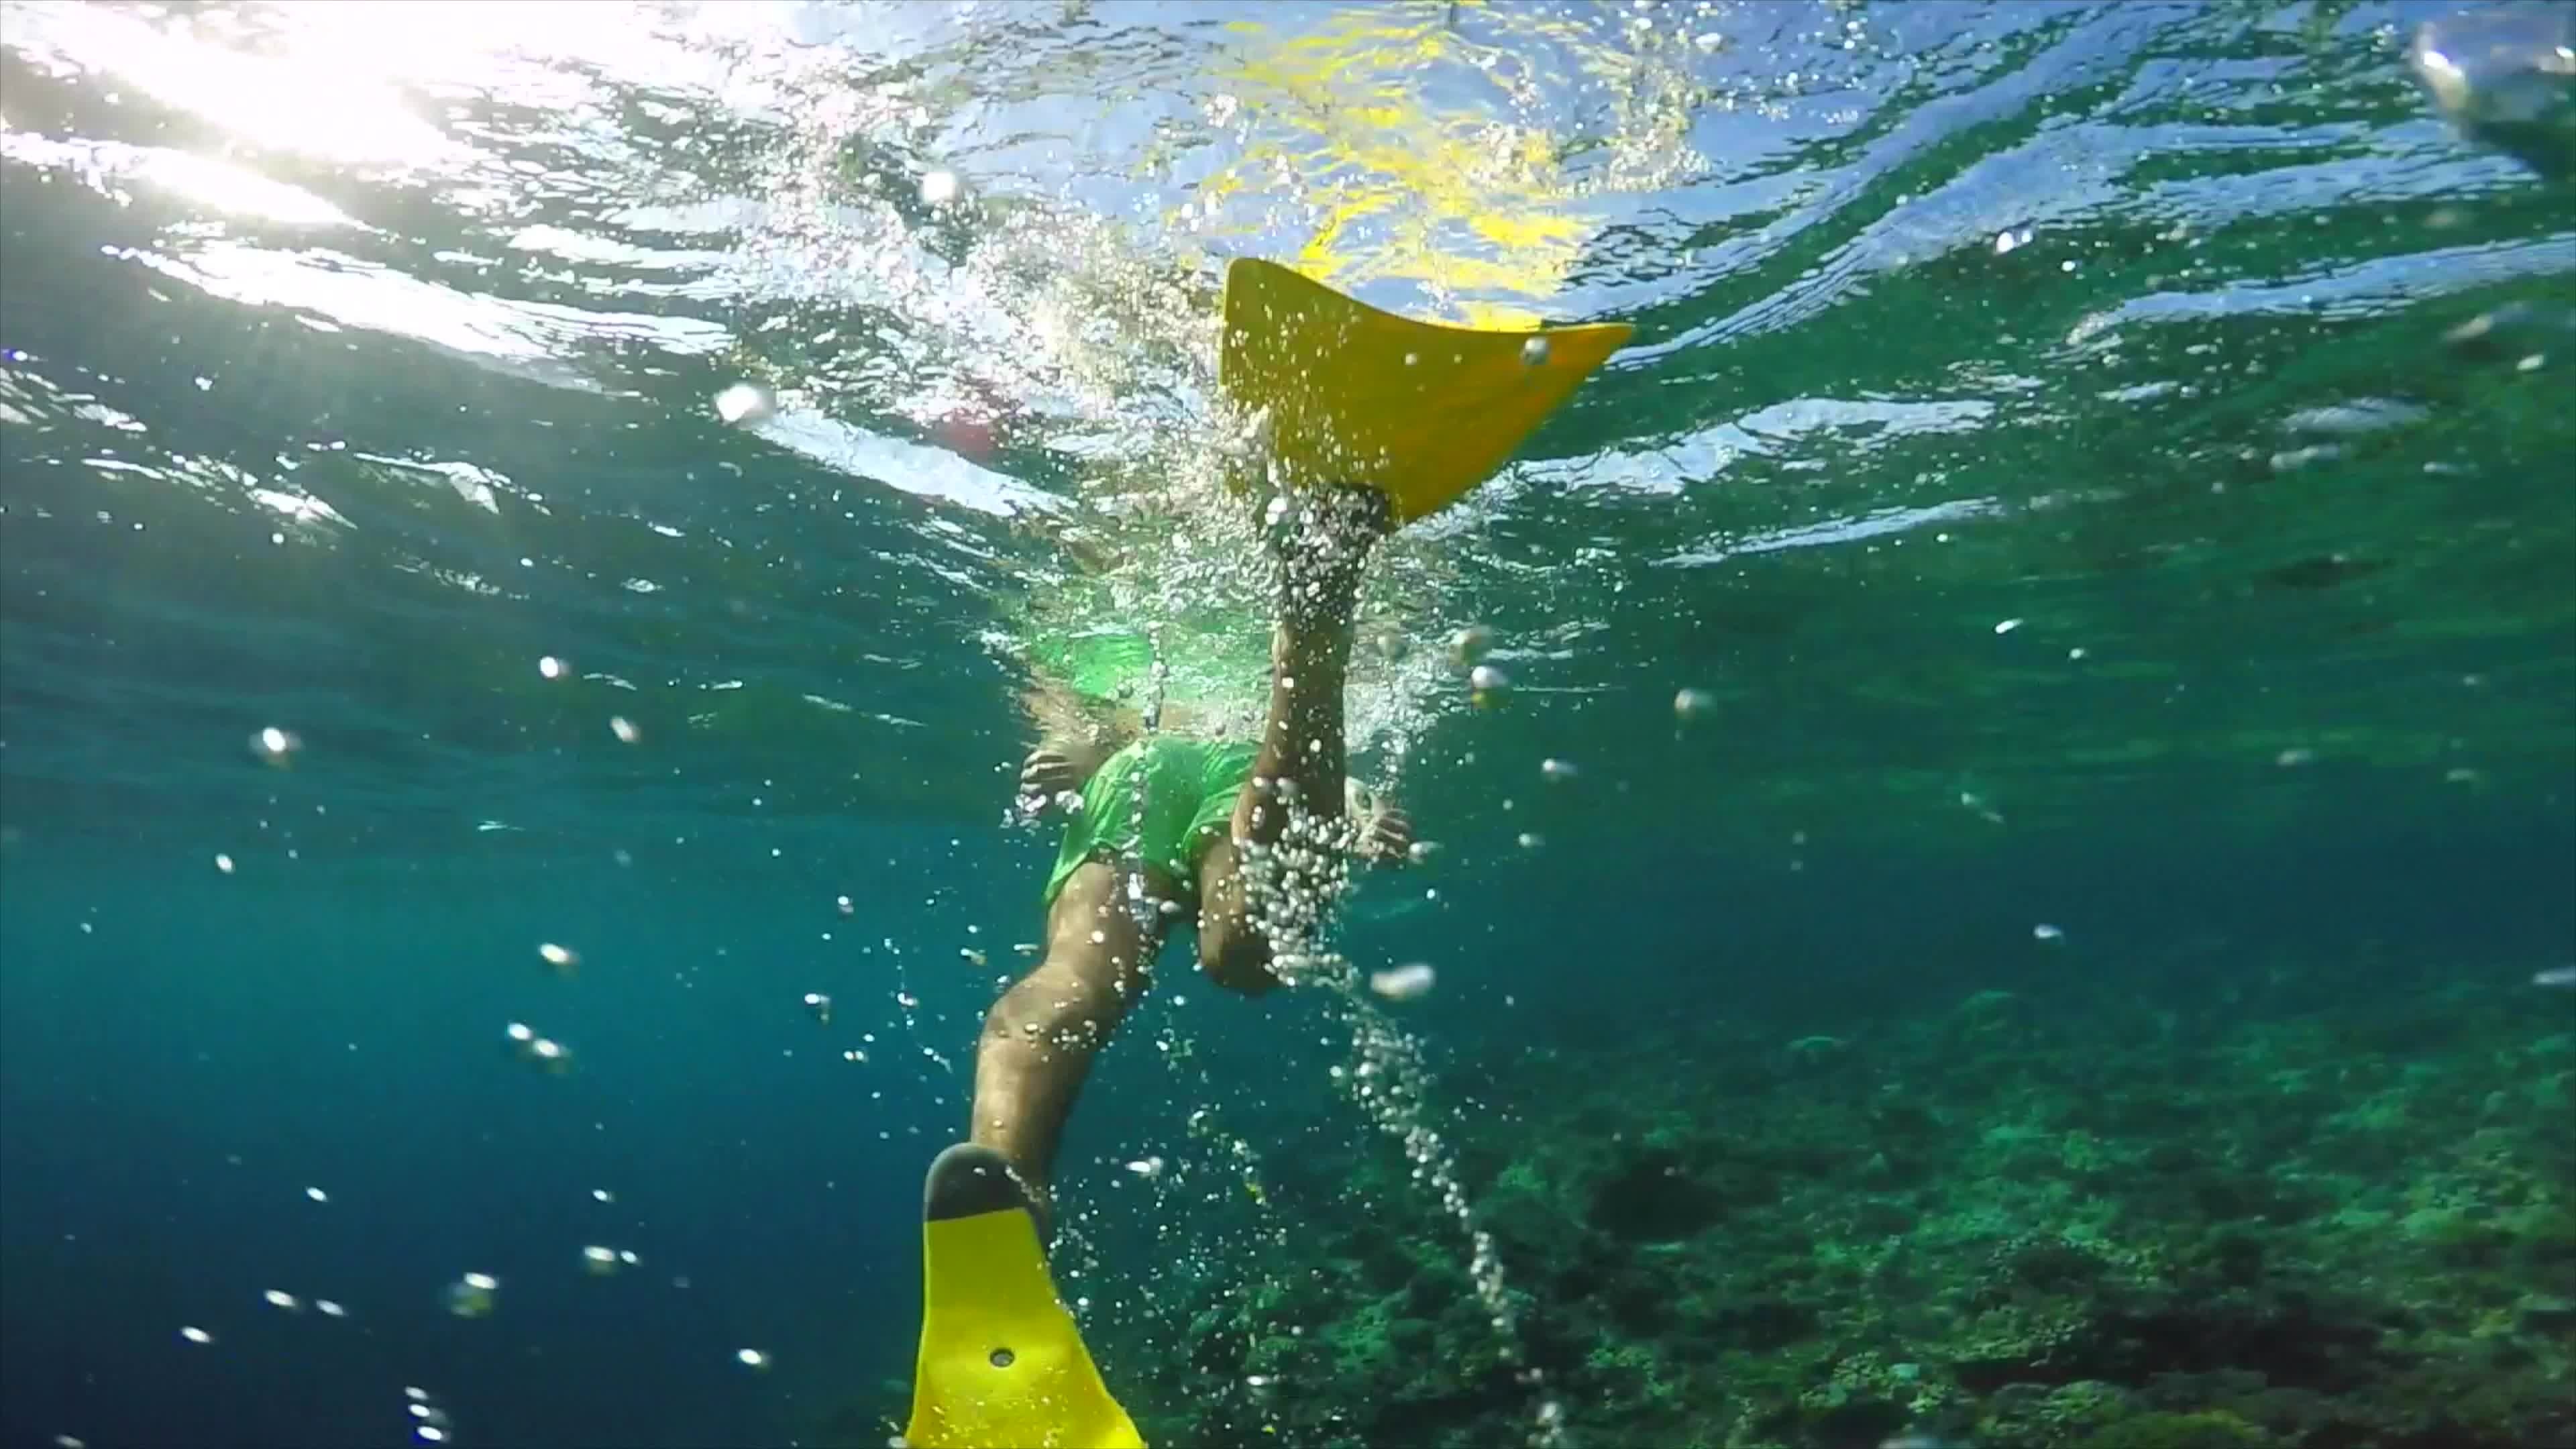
(2061, 1225)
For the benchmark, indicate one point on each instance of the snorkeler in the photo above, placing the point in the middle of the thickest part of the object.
(1204, 806)
(1369, 421)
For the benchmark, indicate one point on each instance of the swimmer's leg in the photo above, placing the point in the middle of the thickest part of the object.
(1040, 1037)
(1317, 551)
(1232, 950)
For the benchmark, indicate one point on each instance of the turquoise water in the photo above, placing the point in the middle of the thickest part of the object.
(2106, 468)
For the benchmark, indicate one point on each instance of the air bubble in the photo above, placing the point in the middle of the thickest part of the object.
(471, 1295)
(275, 747)
(1403, 983)
(544, 1053)
(742, 403)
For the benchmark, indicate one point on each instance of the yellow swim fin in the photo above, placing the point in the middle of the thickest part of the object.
(1355, 396)
(1002, 1365)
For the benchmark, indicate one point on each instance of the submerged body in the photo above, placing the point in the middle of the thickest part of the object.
(1372, 421)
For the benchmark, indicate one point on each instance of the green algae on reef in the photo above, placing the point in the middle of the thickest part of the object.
(2097, 1226)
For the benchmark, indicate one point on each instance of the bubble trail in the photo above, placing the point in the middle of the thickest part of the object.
(1291, 887)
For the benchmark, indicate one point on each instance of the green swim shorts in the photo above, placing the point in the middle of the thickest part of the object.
(1190, 790)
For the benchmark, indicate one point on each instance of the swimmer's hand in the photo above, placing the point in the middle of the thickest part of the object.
(1048, 773)
(1388, 837)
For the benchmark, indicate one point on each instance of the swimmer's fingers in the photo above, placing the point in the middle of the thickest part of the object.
(1047, 773)
(1390, 837)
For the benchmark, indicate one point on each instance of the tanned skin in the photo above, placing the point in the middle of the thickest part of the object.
(1040, 1038)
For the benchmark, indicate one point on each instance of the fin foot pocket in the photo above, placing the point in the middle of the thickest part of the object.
(1002, 1364)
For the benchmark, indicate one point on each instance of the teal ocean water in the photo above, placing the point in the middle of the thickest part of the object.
(2062, 624)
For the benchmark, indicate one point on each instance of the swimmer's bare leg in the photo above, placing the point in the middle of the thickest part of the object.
(1040, 1037)
(1317, 550)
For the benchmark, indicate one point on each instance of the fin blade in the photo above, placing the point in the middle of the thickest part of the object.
(1002, 1364)
(1360, 396)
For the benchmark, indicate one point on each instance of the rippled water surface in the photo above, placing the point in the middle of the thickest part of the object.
(2061, 442)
